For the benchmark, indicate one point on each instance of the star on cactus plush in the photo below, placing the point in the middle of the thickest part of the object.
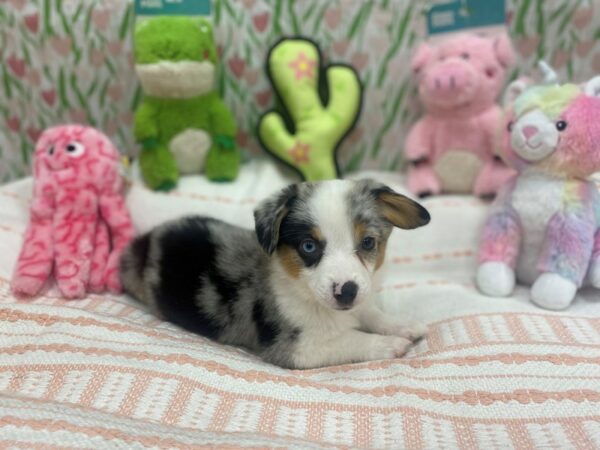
(320, 106)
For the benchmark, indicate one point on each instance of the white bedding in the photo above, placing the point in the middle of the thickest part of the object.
(492, 373)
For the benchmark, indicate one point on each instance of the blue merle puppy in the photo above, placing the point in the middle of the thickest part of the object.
(297, 291)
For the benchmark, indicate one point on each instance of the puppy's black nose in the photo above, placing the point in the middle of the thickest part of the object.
(347, 294)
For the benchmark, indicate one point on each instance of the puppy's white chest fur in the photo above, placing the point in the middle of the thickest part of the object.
(536, 199)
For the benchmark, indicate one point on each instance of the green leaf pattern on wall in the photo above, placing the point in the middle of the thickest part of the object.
(63, 61)
(71, 60)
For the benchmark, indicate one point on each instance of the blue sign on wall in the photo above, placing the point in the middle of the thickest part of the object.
(173, 7)
(462, 14)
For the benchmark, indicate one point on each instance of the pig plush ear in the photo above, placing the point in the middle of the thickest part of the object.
(513, 90)
(592, 87)
(503, 50)
(421, 57)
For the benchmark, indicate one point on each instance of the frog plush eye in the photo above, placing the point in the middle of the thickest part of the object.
(75, 149)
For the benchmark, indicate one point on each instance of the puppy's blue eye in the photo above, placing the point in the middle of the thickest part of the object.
(308, 246)
(368, 243)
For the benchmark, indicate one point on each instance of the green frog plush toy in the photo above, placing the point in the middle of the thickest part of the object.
(182, 124)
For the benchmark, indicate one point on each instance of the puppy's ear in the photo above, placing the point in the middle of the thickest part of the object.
(269, 214)
(399, 210)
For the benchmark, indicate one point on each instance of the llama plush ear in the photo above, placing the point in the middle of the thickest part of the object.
(503, 50)
(513, 90)
(549, 74)
(592, 87)
(421, 57)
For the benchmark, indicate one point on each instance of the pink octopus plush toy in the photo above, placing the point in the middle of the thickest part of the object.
(452, 148)
(78, 223)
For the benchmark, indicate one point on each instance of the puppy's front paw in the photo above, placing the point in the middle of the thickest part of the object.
(412, 330)
(389, 347)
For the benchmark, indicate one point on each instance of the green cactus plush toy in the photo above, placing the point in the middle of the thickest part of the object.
(182, 124)
(320, 106)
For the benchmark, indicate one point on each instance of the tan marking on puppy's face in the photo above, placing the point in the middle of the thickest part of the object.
(374, 209)
(290, 260)
(316, 233)
(360, 230)
(377, 254)
(381, 247)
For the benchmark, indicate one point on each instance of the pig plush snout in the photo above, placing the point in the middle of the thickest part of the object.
(450, 82)
(449, 77)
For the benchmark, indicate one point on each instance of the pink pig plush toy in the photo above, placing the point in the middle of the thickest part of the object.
(451, 149)
(79, 224)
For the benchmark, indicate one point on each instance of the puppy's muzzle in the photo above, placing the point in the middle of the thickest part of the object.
(346, 294)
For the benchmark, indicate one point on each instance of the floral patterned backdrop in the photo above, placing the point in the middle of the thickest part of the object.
(71, 60)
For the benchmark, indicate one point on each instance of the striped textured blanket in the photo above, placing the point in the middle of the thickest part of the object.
(492, 373)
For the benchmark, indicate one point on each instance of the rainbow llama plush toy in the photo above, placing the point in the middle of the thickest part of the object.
(543, 228)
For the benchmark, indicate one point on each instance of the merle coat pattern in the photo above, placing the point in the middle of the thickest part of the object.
(298, 283)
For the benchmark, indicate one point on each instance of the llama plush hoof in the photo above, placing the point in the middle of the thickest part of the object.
(551, 291)
(594, 274)
(495, 279)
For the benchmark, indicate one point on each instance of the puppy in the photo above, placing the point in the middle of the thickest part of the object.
(300, 295)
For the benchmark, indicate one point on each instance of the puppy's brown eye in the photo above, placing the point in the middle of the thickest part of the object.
(368, 243)
(308, 246)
